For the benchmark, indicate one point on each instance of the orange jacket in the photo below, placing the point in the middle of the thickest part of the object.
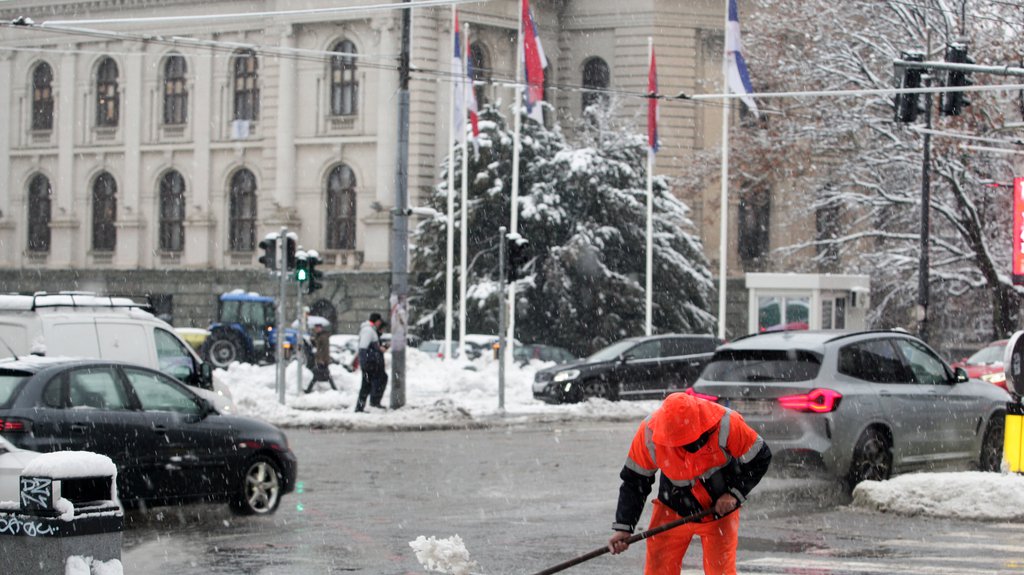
(703, 451)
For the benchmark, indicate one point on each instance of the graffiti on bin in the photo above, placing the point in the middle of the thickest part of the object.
(36, 493)
(17, 526)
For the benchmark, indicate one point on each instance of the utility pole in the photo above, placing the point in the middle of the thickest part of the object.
(502, 243)
(400, 225)
(282, 271)
(922, 274)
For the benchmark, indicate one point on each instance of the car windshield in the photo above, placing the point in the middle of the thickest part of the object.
(990, 354)
(10, 382)
(756, 365)
(612, 351)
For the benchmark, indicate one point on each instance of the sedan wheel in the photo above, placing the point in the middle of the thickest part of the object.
(260, 489)
(872, 458)
(597, 388)
(992, 445)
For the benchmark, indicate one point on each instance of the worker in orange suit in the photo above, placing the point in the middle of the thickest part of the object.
(709, 458)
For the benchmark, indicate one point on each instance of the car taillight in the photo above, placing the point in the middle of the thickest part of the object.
(12, 425)
(816, 401)
(690, 391)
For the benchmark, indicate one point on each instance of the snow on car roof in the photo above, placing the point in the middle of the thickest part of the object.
(34, 363)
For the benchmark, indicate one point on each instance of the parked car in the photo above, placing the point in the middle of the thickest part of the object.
(986, 363)
(83, 324)
(635, 368)
(860, 405)
(169, 443)
(12, 461)
(524, 353)
(435, 348)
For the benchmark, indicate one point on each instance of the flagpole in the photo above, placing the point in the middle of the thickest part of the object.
(464, 231)
(723, 235)
(450, 222)
(649, 297)
(514, 208)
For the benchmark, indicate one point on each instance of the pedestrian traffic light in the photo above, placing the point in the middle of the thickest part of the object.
(269, 247)
(908, 105)
(953, 102)
(517, 257)
(315, 275)
(301, 267)
(290, 248)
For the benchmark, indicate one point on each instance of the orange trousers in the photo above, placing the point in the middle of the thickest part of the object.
(718, 538)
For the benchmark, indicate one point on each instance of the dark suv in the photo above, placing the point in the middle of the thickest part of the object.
(635, 368)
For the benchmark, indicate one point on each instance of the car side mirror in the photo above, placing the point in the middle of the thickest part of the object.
(960, 375)
(207, 372)
(205, 407)
(625, 357)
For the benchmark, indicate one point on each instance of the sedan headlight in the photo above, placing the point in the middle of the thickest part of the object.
(567, 375)
(996, 378)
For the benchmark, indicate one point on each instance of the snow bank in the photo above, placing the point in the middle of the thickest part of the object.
(961, 495)
(443, 555)
(78, 565)
(69, 464)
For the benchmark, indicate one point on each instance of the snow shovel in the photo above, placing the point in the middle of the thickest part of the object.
(633, 539)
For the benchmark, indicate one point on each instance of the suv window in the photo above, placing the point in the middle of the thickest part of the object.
(876, 361)
(687, 346)
(928, 369)
(174, 358)
(646, 350)
(10, 383)
(762, 365)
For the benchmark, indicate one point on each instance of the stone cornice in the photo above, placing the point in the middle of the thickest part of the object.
(62, 8)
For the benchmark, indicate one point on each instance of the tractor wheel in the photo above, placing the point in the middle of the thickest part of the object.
(224, 347)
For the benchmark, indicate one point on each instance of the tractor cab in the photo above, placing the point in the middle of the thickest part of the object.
(244, 331)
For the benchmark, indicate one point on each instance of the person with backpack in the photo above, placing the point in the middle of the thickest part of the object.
(371, 362)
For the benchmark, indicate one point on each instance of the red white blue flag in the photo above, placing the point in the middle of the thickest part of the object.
(652, 105)
(465, 96)
(534, 59)
(739, 77)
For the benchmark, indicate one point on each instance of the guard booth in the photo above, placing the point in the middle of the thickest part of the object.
(789, 302)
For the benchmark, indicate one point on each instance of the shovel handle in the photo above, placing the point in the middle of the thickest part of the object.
(632, 539)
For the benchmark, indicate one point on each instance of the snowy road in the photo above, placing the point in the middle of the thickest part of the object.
(524, 499)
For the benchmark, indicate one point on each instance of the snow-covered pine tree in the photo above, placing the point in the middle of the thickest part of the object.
(583, 210)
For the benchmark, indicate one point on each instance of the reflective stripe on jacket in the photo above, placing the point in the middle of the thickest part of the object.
(703, 451)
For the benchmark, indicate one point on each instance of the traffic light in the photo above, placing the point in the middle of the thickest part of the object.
(517, 257)
(315, 275)
(908, 105)
(290, 252)
(953, 102)
(301, 267)
(269, 247)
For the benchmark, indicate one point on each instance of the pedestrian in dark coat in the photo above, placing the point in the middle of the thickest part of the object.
(322, 358)
(371, 361)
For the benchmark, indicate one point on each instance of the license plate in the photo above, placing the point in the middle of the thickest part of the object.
(750, 406)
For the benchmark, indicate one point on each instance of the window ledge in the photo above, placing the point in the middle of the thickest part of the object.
(106, 132)
(342, 122)
(172, 258)
(173, 130)
(241, 258)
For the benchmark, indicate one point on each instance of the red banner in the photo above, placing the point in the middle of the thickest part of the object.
(1018, 231)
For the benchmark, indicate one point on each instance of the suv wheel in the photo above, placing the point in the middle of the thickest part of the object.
(259, 492)
(598, 388)
(992, 445)
(872, 458)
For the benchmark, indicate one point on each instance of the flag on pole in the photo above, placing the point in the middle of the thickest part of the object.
(739, 77)
(534, 60)
(474, 118)
(652, 105)
(458, 78)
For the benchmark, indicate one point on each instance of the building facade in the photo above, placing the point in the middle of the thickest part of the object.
(140, 142)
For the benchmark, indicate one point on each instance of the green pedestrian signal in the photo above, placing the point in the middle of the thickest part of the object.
(301, 267)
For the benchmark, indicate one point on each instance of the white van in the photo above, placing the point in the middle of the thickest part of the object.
(77, 324)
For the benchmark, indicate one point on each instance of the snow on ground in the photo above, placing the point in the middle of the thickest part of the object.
(438, 394)
(961, 495)
(442, 395)
(443, 555)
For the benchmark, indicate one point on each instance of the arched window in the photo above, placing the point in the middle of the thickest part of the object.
(596, 76)
(39, 194)
(246, 86)
(42, 97)
(243, 211)
(107, 102)
(755, 211)
(344, 86)
(480, 71)
(175, 90)
(341, 209)
(104, 213)
(172, 212)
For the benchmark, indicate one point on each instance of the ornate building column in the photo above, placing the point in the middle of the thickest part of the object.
(68, 248)
(131, 240)
(284, 191)
(376, 225)
(10, 247)
(200, 225)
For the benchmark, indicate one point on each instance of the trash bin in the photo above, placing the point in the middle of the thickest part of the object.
(68, 508)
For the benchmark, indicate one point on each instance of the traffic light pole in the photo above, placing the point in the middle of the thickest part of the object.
(299, 355)
(923, 270)
(502, 242)
(282, 270)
